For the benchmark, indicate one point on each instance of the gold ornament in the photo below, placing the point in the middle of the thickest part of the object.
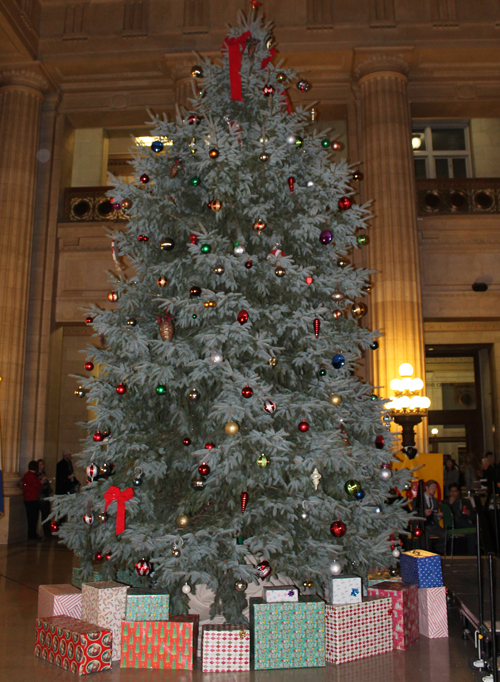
(210, 304)
(280, 272)
(335, 399)
(174, 170)
(358, 309)
(167, 330)
(182, 521)
(337, 296)
(263, 461)
(231, 428)
(162, 281)
(259, 226)
(273, 361)
(316, 478)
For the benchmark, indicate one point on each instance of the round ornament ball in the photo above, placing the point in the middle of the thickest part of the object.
(393, 571)
(352, 486)
(54, 527)
(263, 461)
(359, 310)
(102, 517)
(92, 470)
(336, 146)
(186, 441)
(215, 205)
(88, 519)
(143, 567)
(325, 143)
(195, 292)
(243, 316)
(240, 586)
(197, 71)
(231, 428)
(98, 556)
(335, 399)
(303, 85)
(335, 568)
(216, 358)
(264, 569)
(161, 389)
(299, 142)
(269, 406)
(238, 249)
(345, 203)
(157, 146)
(323, 371)
(197, 483)
(144, 178)
(131, 322)
(362, 239)
(304, 514)
(121, 389)
(374, 345)
(206, 248)
(267, 90)
(182, 520)
(338, 361)
(186, 589)
(176, 552)
(417, 532)
(396, 553)
(303, 426)
(259, 226)
(194, 395)
(338, 529)
(290, 139)
(379, 442)
(112, 297)
(219, 269)
(247, 391)
(357, 176)
(89, 320)
(248, 264)
(325, 237)
(385, 473)
(280, 271)
(203, 469)
(89, 366)
(377, 509)
(162, 281)
(359, 495)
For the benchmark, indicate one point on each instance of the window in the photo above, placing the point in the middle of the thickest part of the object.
(441, 150)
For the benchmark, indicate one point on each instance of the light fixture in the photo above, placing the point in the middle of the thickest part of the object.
(147, 141)
(407, 407)
(434, 432)
(416, 141)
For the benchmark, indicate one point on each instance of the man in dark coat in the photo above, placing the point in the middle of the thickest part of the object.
(66, 482)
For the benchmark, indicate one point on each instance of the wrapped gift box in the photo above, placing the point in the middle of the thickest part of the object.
(404, 611)
(432, 612)
(421, 568)
(358, 630)
(276, 594)
(375, 581)
(194, 620)
(166, 644)
(146, 604)
(77, 577)
(104, 603)
(128, 577)
(225, 648)
(344, 590)
(287, 635)
(74, 645)
(59, 600)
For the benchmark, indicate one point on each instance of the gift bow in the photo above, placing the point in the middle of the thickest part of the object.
(121, 496)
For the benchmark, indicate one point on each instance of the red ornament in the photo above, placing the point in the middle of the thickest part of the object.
(248, 264)
(98, 437)
(89, 366)
(244, 500)
(317, 325)
(417, 532)
(268, 90)
(264, 569)
(107, 556)
(144, 178)
(336, 146)
(143, 567)
(142, 238)
(54, 527)
(187, 441)
(337, 314)
(92, 470)
(209, 446)
(242, 317)
(112, 296)
(277, 252)
(121, 389)
(338, 529)
(270, 406)
(344, 203)
(303, 426)
(247, 392)
(203, 469)
(291, 182)
(193, 239)
(309, 280)
(379, 442)
(89, 320)
(254, 4)
(98, 556)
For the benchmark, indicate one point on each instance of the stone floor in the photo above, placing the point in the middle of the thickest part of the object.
(23, 567)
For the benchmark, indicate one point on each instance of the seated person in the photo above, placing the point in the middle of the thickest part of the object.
(462, 514)
(432, 517)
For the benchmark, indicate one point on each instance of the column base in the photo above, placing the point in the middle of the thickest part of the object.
(13, 526)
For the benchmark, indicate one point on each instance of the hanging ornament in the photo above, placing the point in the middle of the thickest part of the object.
(338, 529)
(325, 237)
(358, 309)
(215, 205)
(317, 325)
(242, 317)
(166, 327)
(337, 296)
(213, 153)
(193, 239)
(417, 532)
(138, 476)
(396, 553)
(335, 399)
(143, 567)
(194, 119)
(186, 589)
(377, 509)
(336, 146)
(342, 263)
(238, 249)
(299, 142)
(303, 426)
(277, 252)
(240, 586)
(316, 478)
(337, 314)
(291, 182)
(210, 304)
(102, 517)
(206, 248)
(161, 389)
(374, 345)
(112, 296)
(126, 204)
(174, 169)
(360, 495)
(264, 158)
(264, 569)
(89, 366)
(279, 271)
(357, 176)
(209, 446)
(304, 514)
(352, 486)
(335, 568)
(385, 473)
(89, 320)
(325, 143)
(290, 139)
(121, 389)
(379, 442)
(303, 85)
(98, 437)
(194, 395)
(216, 358)
(197, 483)
(263, 461)
(244, 500)
(186, 441)
(203, 469)
(54, 527)
(345, 203)
(92, 470)
(194, 292)
(131, 322)
(259, 226)
(273, 361)
(162, 281)
(197, 71)
(157, 146)
(219, 269)
(309, 280)
(248, 264)
(144, 178)
(98, 556)
(247, 391)
(338, 361)
(231, 428)
(267, 90)
(323, 371)
(182, 520)
(270, 406)
(88, 519)
(361, 239)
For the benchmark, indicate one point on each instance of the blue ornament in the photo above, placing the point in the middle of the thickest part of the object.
(338, 361)
(325, 237)
(157, 146)
(359, 495)
(374, 345)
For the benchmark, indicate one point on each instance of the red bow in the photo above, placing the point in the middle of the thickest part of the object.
(121, 496)
(235, 49)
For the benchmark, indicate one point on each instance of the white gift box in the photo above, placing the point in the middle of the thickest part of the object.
(225, 648)
(59, 600)
(279, 594)
(344, 590)
(104, 604)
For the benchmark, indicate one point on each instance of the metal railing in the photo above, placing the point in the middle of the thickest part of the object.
(458, 196)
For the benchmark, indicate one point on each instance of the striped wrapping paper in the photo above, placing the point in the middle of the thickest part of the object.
(432, 612)
(59, 600)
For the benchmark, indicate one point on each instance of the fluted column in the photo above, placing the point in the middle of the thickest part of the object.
(396, 305)
(21, 97)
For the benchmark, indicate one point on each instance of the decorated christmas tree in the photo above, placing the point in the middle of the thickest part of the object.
(230, 435)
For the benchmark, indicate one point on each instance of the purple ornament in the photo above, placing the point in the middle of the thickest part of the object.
(117, 206)
(325, 237)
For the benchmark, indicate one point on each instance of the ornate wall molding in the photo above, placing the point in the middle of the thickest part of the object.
(23, 78)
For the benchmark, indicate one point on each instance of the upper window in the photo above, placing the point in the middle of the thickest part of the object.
(441, 150)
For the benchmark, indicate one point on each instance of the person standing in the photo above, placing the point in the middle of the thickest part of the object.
(450, 475)
(433, 516)
(66, 482)
(32, 487)
(45, 492)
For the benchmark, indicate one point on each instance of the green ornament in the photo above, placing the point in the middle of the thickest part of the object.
(352, 486)
(374, 396)
(325, 143)
(161, 389)
(195, 181)
(263, 461)
(194, 316)
(361, 239)
(322, 372)
(299, 142)
(206, 248)
(239, 539)
(236, 244)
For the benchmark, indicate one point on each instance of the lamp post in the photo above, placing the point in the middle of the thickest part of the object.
(407, 406)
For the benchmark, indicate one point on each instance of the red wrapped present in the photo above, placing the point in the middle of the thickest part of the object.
(360, 630)
(432, 612)
(162, 644)
(404, 611)
(74, 645)
(194, 619)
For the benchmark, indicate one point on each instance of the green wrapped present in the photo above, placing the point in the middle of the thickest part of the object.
(77, 577)
(287, 635)
(129, 578)
(147, 604)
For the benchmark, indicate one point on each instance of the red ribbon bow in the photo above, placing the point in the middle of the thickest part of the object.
(235, 49)
(121, 496)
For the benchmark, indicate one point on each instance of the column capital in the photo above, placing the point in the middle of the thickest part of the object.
(24, 78)
(371, 63)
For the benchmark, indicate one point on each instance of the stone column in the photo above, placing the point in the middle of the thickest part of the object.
(395, 302)
(21, 97)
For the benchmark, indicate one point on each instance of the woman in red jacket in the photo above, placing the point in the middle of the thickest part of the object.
(31, 490)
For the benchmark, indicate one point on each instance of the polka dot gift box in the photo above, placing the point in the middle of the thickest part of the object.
(421, 568)
(225, 648)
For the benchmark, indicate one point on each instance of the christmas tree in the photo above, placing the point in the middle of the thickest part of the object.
(226, 404)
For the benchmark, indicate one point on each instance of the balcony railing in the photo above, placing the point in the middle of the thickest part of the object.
(89, 205)
(458, 196)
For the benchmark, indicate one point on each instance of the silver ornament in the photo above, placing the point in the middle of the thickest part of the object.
(396, 553)
(239, 250)
(310, 183)
(186, 588)
(377, 510)
(240, 585)
(385, 474)
(335, 568)
(291, 139)
(216, 358)
(304, 515)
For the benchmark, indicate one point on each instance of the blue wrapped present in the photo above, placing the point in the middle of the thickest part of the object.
(421, 568)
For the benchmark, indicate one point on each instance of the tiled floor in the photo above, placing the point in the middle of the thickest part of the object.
(24, 567)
